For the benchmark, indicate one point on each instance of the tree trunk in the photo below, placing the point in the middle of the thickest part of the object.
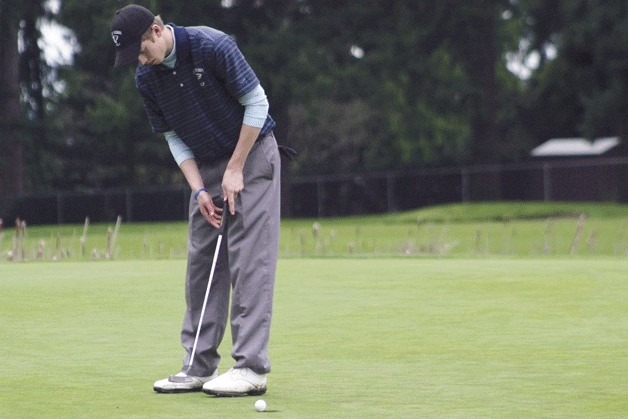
(12, 154)
(484, 57)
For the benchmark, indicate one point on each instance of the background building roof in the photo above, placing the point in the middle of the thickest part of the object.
(574, 147)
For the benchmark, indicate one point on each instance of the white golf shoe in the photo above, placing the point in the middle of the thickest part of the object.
(182, 383)
(237, 382)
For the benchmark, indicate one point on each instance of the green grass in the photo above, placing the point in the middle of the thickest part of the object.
(413, 337)
(474, 310)
(516, 210)
(514, 229)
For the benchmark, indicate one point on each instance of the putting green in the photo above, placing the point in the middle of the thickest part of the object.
(538, 337)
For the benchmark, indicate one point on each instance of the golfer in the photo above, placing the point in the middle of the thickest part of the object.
(199, 91)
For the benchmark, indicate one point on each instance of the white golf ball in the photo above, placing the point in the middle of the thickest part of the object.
(260, 405)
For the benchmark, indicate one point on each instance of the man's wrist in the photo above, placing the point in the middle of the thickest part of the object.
(198, 192)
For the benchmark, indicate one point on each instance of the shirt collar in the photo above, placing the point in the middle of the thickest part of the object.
(182, 41)
(181, 46)
(171, 59)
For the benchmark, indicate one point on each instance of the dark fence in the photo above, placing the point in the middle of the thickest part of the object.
(574, 180)
(133, 204)
(600, 179)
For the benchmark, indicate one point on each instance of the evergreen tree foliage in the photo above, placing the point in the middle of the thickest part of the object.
(354, 85)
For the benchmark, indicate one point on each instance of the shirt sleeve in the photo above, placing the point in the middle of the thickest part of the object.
(180, 151)
(155, 116)
(231, 66)
(255, 107)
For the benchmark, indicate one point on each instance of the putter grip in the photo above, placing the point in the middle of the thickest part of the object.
(225, 217)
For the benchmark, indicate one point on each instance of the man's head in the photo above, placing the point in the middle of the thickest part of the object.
(156, 44)
(130, 27)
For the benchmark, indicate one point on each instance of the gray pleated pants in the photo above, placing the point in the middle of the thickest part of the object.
(246, 266)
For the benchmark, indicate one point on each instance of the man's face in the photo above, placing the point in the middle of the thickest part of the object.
(153, 50)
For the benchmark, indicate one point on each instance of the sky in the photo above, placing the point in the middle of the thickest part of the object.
(58, 43)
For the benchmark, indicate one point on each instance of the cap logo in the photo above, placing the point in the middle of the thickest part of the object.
(199, 73)
(115, 35)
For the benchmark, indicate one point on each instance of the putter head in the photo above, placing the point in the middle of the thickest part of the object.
(179, 379)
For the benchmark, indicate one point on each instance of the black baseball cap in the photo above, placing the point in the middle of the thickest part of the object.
(127, 27)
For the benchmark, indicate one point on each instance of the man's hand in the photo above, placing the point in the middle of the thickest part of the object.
(204, 200)
(232, 185)
(233, 180)
(211, 212)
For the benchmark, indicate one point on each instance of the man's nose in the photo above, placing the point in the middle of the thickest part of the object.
(142, 59)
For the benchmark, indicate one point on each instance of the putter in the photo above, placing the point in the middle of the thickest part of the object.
(223, 229)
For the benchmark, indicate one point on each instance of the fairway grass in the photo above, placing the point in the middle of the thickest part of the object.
(537, 337)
